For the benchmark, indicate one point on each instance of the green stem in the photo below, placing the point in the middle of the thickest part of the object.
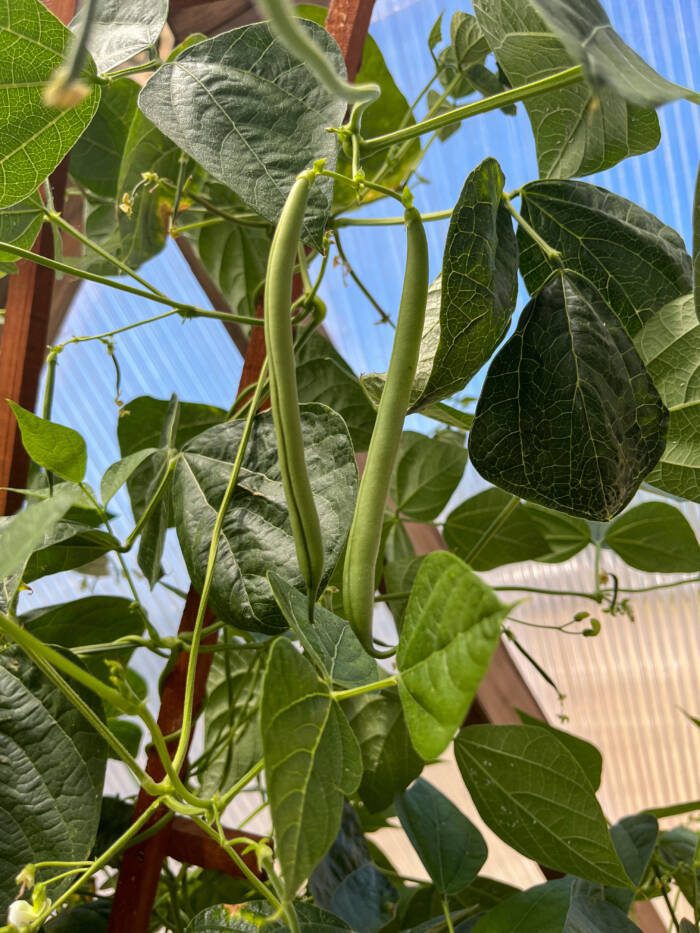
(186, 309)
(100, 862)
(535, 663)
(181, 751)
(244, 219)
(552, 254)
(557, 81)
(356, 184)
(383, 316)
(151, 65)
(388, 221)
(364, 688)
(448, 915)
(240, 784)
(659, 586)
(177, 231)
(153, 502)
(111, 333)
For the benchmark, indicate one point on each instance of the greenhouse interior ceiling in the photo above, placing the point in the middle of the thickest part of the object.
(350, 466)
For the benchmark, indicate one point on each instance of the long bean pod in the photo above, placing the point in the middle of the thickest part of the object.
(284, 397)
(366, 529)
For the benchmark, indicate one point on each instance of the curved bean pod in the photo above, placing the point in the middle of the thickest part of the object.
(284, 397)
(366, 529)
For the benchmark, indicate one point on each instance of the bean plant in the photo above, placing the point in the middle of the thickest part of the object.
(255, 148)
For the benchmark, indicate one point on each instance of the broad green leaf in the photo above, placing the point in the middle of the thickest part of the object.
(330, 642)
(655, 537)
(312, 762)
(470, 305)
(97, 156)
(564, 535)
(450, 847)
(257, 534)
(390, 110)
(634, 260)
(251, 916)
(51, 772)
(235, 255)
(541, 909)
(324, 376)
(587, 755)
(119, 472)
(349, 884)
(426, 473)
(568, 416)
(588, 915)
(25, 532)
(669, 345)
(389, 761)
(696, 245)
(34, 138)
(531, 791)
(232, 741)
(450, 631)
(140, 427)
(19, 225)
(484, 893)
(680, 849)
(491, 529)
(122, 29)
(634, 838)
(589, 38)
(68, 545)
(89, 917)
(55, 447)
(252, 115)
(578, 130)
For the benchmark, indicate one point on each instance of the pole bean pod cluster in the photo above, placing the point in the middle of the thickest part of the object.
(366, 528)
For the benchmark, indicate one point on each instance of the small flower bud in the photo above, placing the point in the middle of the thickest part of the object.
(126, 205)
(63, 92)
(25, 879)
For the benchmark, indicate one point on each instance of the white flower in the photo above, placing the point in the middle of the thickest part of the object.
(21, 915)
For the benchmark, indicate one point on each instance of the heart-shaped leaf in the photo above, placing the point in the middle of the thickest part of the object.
(590, 915)
(548, 903)
(588, 36)
(669, 345)
(34, 138)
(312, 762)
(450, 631)
(57, 448)
(252, 115)
(634, 260)
(257, 533)
(578, 130)
(450, 847)
(568, 416)
(122, 29)
(586, 755)
(51, 773)
(531, 791)
(655, 537)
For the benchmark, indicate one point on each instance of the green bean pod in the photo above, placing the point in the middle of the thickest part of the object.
(366, 529)
(284, 397)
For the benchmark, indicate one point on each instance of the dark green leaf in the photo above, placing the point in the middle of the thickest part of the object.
(426, 473)
(679, 848)
(55, 447)
(470, 305)
(531, 791)
(589, 38)
(25, 532)
(587, 755)
(127, 732)
(251, 916)
(348, 884)
(34, 138)
(51, 772)
(491, 529)
(450, 847)
(450, 631)
(68, 545)
(232, 741)
(655, 537)
(541, 909)
(155, 528)
(484, 893)
(122, 29)
(257, 534)
(389, 761)
(140, 427)
(669, 345)
(91, 917)
(312, 762)
(587, 915)
(252, 116)
(577, 130)
(19, 225)
(568, 416)
(330, 642)
(97, 157)
(696, 245)
(118, 473)
(564, 535)
(634, 260)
